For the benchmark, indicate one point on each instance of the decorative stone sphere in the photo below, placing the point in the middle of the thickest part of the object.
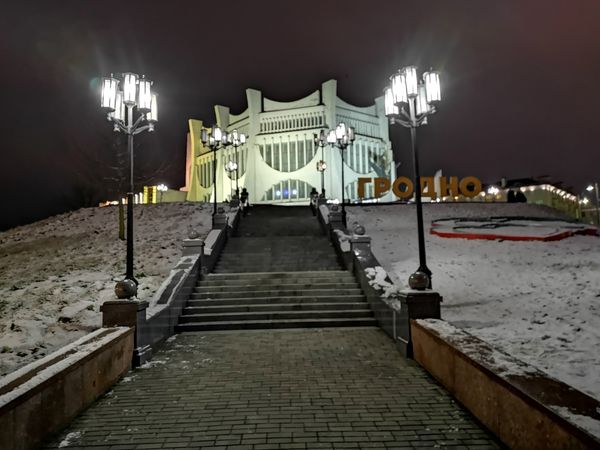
(335, 208)
(193, 234)
(418, 281)
(359, 230)
(126, 289)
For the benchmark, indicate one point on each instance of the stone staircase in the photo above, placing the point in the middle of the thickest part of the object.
(280, 271)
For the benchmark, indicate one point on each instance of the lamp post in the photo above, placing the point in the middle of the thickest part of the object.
(135, 96)
(340, 137)
(237, 140)
(231, 167)
(594, 187)
(409, 103)
(320, 140)
(215, 139)
(162, 188)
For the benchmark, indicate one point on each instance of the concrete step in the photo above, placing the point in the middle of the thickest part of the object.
(277, 275)
(207, 282)
(284, 253)
(274, 307)
(275, 315)
(248, 301)
(261, 287)
(271, 261)
(272, 324)
(230, 270)
(275, 293)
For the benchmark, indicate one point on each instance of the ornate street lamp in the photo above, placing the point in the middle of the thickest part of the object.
(594, 187)
(421, 99)
(320, 141)
(341, 137)
(237, 140)
(162, 188)
(231, 167)
(120, 105)
(215, 139)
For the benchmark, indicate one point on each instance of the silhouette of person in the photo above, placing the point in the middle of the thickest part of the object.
(244, 204)
(314, 197)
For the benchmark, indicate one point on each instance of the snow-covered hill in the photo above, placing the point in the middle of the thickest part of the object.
(55, 274)
(538, 301)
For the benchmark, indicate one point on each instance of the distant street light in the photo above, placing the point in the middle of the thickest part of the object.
(340, 137)
(162, 188)
(120, 104)
(594, 187)
(231, 167)
(320, 141)
(421, 99)
(237, 140)
(215, 139)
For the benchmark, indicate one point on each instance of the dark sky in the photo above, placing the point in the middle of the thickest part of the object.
(521, 82)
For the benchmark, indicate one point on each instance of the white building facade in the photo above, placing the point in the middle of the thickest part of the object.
(278, 163)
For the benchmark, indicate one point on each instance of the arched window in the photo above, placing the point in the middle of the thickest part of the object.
(287, 191)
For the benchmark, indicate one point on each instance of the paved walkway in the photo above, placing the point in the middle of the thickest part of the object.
(285, 389)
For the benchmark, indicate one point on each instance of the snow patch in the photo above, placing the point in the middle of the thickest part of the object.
(69, 439)
(586, 423)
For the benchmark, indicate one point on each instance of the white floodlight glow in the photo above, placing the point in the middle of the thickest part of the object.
(130, 81)
(119, 113)
(331, 137)
(432, 86)
(109, 93)
(421, 101)
(350, 134)
(340, 131)
(242, 138)
(390, 108)
(235, 136)
(399, 88)
(412, 82)
(590, 188)
(152, 116)
(493, 190)
(217, 134)
(144, 95)
(585, 201)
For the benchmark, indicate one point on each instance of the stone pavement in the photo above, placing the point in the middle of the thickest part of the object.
(336, 388)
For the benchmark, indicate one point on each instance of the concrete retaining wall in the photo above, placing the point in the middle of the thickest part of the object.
(43, 397)
(523, 406)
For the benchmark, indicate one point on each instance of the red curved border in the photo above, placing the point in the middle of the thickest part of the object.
(492, 237)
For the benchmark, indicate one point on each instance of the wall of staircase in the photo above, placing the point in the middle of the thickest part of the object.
(279, 271)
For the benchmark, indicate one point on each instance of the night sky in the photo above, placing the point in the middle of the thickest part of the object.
(520, 80)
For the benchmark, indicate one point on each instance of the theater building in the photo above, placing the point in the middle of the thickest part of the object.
(278, 163)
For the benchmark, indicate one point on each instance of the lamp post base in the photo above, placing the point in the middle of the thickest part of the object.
(126, 288)
(420, 279)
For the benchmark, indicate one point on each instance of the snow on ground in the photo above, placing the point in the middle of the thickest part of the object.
(538, 301)
(55, 274)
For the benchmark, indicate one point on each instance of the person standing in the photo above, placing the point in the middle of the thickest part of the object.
(244, 204)
(314, 201)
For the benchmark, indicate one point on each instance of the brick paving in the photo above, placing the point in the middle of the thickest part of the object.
(337, 388)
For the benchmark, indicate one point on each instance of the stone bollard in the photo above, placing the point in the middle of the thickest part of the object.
(335, 220)
(193, 247)
(415, 305)
(128, 313)
(219, 221)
